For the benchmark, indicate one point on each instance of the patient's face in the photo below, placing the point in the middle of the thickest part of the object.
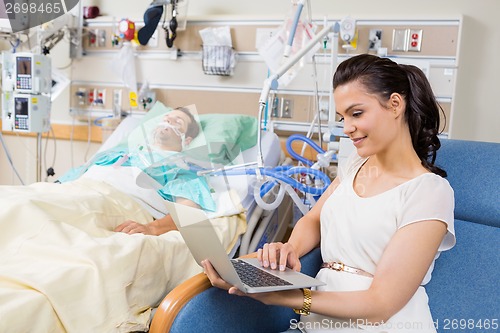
(170, 138)
(178, 119)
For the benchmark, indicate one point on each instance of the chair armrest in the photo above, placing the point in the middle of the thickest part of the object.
(175, 301)
(194, 306)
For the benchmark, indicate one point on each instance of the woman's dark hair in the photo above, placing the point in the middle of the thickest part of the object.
(193, 128)
(382, 77)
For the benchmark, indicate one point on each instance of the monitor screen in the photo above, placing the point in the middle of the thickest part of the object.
(21, 106)
(23, 66)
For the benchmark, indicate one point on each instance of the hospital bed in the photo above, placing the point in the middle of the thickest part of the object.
(62, 264)
(262, 225)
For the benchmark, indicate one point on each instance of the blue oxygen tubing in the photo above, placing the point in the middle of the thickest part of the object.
(295, 137)
(280, 175)
(283, 174)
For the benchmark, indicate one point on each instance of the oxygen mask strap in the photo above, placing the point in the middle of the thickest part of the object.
(177, 132)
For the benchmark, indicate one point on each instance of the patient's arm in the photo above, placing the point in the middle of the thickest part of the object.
(157, 227)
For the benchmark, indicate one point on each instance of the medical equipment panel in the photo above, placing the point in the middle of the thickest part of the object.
(32, 73)
(31, 113)
(26, 85)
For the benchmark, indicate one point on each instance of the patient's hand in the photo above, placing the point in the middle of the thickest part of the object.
(156, 228)
(131, 227)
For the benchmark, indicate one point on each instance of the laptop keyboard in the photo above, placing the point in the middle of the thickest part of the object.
(255, 277)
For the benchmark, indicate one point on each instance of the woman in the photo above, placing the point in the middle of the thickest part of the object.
(384, 219)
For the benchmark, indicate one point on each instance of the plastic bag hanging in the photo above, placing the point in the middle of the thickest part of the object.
(218, 56)
(124, 67)
(276, 50)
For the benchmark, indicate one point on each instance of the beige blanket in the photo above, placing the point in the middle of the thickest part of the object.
(62, 268)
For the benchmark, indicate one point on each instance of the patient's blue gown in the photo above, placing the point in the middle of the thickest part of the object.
(175, 176)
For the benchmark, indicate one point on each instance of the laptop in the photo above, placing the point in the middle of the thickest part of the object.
(247, 274)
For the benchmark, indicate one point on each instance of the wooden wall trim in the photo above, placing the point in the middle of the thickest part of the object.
(67, 132)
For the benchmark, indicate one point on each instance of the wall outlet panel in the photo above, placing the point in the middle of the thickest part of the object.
(400, 40)
(286, 108)
(415, 40)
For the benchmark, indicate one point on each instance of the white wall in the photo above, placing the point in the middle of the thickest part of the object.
(477, 115)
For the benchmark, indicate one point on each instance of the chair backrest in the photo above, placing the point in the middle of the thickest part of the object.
(464, 286)
(473, 169)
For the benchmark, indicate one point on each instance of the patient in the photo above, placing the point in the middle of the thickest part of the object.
(157, 160)
(183, 129)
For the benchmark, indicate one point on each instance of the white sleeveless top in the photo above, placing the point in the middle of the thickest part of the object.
(356, 230)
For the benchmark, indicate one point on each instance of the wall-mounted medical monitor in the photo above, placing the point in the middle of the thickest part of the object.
(31, 113)
(32, 73)
(24, 79)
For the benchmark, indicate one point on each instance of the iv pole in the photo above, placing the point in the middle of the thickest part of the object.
(272, 81)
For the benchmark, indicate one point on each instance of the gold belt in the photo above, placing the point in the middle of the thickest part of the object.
(338, 266)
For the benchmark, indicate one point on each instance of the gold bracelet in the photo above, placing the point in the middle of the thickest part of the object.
(306, 307)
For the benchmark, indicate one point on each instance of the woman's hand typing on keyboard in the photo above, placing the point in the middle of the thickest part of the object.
(288, 298)
(279, 256)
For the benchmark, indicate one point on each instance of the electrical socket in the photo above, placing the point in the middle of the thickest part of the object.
(324, 107)
(275, 107)
(117, 97)
(415, 40)
(117, 102)
(91, 96)
(286, 107)
(400, 39)
(92, 36)
(100, 37)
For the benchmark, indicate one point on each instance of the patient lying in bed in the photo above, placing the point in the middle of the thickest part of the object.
(64, 268)
(149, 172)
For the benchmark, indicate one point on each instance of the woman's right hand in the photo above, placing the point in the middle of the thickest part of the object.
(279, 255)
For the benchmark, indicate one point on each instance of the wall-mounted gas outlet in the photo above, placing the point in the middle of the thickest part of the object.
(81, 96)
(148, 100)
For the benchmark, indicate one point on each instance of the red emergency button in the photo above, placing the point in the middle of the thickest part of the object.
(414, 36)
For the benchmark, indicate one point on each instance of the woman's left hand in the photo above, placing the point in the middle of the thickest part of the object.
(217, 281)
(273, 297)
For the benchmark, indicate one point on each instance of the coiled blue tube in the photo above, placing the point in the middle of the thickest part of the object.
(310, 142)
(284, 176)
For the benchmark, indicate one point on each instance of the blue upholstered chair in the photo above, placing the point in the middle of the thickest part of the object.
(463, 289)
